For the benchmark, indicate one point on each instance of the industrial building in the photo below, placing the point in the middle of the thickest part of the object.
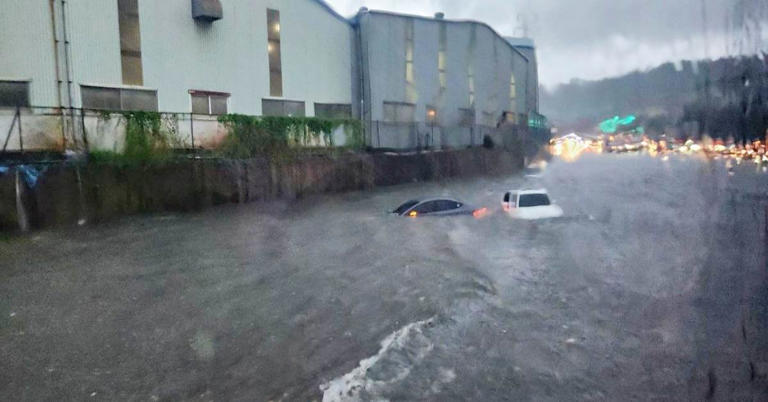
(435, 82)
(414, 81)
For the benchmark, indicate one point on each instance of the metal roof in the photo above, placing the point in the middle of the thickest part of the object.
(333, 12)
(420, 17)
(520, 42)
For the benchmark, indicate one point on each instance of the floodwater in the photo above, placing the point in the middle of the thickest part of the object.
(653, 286)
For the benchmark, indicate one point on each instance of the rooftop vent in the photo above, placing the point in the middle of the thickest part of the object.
(207, 10)
(439, 16)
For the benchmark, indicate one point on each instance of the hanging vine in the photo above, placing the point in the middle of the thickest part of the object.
(279, 137)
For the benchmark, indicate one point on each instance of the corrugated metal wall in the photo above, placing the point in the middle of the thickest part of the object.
(26, 48)
(493, 61)
(94, 44)
(179, 53)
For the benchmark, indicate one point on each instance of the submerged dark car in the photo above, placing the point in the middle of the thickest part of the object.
(436, 206)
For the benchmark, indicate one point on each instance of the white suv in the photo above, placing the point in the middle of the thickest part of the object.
(530, 204)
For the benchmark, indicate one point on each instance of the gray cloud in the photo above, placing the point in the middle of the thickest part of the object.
(592, 39)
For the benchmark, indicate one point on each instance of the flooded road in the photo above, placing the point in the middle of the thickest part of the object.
(654, 285)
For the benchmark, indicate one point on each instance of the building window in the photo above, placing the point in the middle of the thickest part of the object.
(441, 57)
(14, 93)
(211, 103)
(466, 117)
(130, 41)
(512, 93)
(410, 79)
(273, 48)
(104, 98)
(398, 112)
(271, 107)
(335, 111)
(431, 115)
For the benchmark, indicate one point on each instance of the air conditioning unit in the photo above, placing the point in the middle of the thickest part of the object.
(207, 10)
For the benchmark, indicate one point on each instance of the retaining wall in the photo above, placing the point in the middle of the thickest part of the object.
(66, 194)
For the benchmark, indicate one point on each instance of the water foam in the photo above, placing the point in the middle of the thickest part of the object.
(400, 351)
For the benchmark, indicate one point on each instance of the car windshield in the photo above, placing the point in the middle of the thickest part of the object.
(533, 200)
(405, 206)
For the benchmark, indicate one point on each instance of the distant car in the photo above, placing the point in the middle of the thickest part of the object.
(534, 172)
(436, 206)
(530, 205)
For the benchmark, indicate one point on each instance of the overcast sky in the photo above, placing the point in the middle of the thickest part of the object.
(591, 39)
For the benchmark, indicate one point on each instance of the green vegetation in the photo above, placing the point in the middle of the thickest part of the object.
(283, 137)
(151, 138)
(145, 141)
(143, 138)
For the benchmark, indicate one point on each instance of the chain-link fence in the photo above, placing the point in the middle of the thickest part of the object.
(43, 129)
(416, 136)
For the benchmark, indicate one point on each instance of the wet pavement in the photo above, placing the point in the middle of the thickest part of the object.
(653, 286)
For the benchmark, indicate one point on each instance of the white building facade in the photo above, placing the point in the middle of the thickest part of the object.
(258, 57)
(157, 47)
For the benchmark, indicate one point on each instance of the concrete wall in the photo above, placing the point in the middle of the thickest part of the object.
(180, 54)
(66, 194)
(493, 62)
(95, 131)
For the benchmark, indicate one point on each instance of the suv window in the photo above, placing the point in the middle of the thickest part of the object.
(511, 198)
(533, 200)
(406, 206)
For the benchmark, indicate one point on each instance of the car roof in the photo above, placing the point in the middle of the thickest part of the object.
(529, 191)
(425, 199)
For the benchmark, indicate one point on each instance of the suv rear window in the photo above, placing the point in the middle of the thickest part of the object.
(533, 200)
(406, 206)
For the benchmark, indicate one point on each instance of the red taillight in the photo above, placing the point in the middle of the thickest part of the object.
(479, 213)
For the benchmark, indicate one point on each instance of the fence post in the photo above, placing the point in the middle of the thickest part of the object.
(82, 126)
(21, 210)
(378, 136)
(10, 131)
(21, 137)
(192, 130)
(63, 130)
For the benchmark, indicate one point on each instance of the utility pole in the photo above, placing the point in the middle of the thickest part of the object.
(707, 75)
